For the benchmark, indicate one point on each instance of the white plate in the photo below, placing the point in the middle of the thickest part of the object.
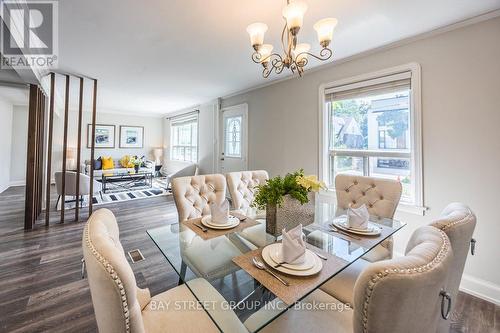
(371, 230)
(318, 265)
(276, 254)
(206, 221)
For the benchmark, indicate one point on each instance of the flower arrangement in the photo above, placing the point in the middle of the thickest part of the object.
(137, 162)
(295, 184)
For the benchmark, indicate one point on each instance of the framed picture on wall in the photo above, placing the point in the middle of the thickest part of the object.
(104, 136)
(131, 137)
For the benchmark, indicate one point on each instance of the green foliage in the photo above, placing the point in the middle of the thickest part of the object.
(397, 120)
(276, 188)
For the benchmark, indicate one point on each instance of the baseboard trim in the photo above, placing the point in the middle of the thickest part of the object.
(18, 183)
(480, 288)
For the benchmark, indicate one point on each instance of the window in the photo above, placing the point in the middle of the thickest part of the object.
(232, 137)
(371, 127)
(184, 138)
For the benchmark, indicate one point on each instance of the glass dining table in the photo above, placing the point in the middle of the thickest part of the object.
(193, 257)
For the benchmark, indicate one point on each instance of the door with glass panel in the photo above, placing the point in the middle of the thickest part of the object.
(233, 139)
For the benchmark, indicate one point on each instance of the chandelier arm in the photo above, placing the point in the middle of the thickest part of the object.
(283, 38)
(324, 54)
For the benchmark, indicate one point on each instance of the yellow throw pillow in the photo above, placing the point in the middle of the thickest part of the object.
(125, 161)
(107, 163)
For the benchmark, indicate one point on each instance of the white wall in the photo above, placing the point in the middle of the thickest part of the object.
(19, 145)
(461, 138)
(6, 110)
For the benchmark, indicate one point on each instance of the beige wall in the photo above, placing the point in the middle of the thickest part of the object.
(19, 145)
(5, 143)
(461, 138)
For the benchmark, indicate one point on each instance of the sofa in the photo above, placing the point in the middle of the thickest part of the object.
(149, 166)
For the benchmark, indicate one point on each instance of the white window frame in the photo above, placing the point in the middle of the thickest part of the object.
(184, 118)
(415, 121)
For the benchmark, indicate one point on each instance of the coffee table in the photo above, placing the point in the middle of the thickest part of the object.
(126, 180)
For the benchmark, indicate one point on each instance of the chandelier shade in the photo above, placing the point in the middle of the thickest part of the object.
(295, 55)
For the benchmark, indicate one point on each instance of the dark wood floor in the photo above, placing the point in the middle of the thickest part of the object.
(41, 289)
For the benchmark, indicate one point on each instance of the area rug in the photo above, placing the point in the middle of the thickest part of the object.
(158, 189)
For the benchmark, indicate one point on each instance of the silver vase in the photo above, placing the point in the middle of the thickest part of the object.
(289, 215)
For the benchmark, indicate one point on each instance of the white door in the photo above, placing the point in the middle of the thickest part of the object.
(233, 139)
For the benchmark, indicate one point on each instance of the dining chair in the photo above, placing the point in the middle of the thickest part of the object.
(242, 186)
(121, 306)
(70, 186)
(400, 295)
(192, 196)
(458, 221)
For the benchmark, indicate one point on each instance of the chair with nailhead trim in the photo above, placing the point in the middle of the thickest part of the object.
(213, 258)
(400, 295)
(121, 306)
(242, 186)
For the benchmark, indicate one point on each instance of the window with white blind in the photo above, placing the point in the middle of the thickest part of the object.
(184, 138)
(371, 127)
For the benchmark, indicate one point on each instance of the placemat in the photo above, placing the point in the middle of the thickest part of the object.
(364, 241)
(212, 233)
(299, 285)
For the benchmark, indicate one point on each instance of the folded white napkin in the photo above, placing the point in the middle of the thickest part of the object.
(358, 217)
(220, 213)
(293, 246)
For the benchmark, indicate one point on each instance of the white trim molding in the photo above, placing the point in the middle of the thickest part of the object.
(416, 123)
(480, 288)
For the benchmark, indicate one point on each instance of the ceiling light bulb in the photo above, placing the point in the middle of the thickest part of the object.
(300, 52)
(324, 29)
(265, 52)
(294, 15)
(256, 32)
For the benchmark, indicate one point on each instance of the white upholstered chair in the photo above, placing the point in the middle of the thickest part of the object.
(242, 186)
(192, 196)
(400, 295)
(458, 222)
(70, 185)
(120, 306)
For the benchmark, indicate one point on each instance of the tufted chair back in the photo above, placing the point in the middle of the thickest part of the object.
(242, 186)
(458, 222)
(192, 195)
(117, 300)
(381, 196)
(402, 295)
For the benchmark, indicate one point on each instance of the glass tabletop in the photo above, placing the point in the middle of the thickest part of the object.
(124, 173)
(192, 258)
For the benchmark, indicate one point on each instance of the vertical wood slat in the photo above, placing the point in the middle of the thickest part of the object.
(92, 149)
(29, 211)
(78, 151)
(41, 132)
(49, 148)
(65, 147)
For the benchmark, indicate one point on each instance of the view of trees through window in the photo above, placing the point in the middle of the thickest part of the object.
(184, 141)
(370, 135)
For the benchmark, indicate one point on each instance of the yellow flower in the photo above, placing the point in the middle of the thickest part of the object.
(310, 183)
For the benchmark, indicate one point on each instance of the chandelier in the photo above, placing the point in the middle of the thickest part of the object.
(295, 56)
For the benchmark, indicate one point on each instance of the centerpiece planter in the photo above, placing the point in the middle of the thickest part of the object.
(290, 214)
(289, 201)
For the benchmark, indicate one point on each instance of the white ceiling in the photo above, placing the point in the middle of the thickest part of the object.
(160, 56)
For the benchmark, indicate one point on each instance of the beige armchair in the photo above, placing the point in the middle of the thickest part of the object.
(192, 196)
(120, 306)
(401, 295)
(70, 186)
(242, 186)
(458, 222)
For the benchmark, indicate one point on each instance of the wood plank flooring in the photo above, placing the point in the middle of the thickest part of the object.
(41, 289)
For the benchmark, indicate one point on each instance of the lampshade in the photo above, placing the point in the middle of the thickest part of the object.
(299, 49)
(265, 51)
(324, 29)
(294, 14)
(257, 32)
(157, 153)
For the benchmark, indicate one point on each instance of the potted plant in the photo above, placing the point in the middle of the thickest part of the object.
(288, 201)
(137, 162)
